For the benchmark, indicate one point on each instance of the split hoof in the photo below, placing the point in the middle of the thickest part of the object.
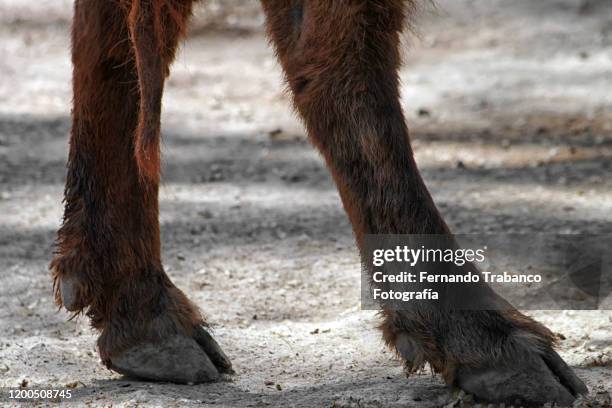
(534, 382)
(179, 359)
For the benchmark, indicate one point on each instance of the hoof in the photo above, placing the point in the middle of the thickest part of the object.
(545, 379)
(178, 359)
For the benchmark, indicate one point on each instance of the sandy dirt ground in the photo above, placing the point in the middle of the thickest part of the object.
(510, 106)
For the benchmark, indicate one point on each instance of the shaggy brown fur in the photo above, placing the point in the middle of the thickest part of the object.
(109, 240)
(342, 67)
(341, 62)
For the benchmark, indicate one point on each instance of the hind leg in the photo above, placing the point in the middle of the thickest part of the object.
(108, 261)
(341, 62)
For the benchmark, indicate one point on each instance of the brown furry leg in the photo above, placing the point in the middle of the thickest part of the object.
(108, 259)
(341, 62)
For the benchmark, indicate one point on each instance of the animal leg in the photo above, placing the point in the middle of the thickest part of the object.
(108, 261)
(341, 62)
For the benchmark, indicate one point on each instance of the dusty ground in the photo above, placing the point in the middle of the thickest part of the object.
(509, 104)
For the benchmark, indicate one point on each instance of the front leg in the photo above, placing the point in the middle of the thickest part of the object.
(108, 260)
(341, 62)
